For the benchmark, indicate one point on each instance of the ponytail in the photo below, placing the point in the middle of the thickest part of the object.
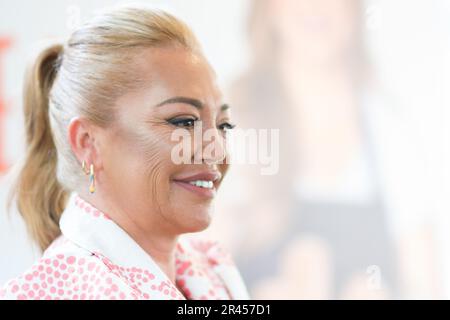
(40, 198)
(86, 82)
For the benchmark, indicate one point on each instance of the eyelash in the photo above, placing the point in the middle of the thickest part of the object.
(227, 126)
(189, 123)
(180, 122)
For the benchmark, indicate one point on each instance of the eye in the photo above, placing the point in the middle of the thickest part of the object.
(226, 126)
(183, 122)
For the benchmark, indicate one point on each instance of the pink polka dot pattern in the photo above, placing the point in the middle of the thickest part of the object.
(142, 281)
(89, 209)
(96, 259)
(215, 253)
(188, 272)
(68, 277)
(95, 277)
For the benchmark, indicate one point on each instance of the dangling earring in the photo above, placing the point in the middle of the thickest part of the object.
(91, 179)
(83, 166)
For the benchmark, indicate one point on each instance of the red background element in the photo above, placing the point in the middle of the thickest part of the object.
(5, 43)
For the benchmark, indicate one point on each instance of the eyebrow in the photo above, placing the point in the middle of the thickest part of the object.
(191, 101)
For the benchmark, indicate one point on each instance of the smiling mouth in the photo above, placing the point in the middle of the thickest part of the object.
(203, 184)
(207, 184)
(208, 192)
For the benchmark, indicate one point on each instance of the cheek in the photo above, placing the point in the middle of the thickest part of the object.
(141, 163)
(153, 164)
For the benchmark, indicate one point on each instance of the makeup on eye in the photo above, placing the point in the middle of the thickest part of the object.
(183, 122)
(226, 126)
(189, 122)
(188, 119)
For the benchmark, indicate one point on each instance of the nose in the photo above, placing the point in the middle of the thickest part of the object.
(213, 146)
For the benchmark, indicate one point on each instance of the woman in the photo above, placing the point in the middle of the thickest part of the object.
(311, 78)
(99, 189)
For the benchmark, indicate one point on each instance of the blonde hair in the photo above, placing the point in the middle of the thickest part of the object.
(83, 77)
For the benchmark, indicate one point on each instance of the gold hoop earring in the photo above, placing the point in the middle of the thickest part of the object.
(91, 179)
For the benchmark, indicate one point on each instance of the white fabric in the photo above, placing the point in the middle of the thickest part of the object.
(95, 259)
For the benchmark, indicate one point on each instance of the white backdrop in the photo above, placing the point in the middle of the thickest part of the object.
(218, 25)
(409, 44)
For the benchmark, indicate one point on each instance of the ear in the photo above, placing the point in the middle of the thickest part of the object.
(83, 136)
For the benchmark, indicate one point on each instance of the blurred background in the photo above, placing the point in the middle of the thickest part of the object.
(359, 91)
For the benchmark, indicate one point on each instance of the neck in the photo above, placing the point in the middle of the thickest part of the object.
(154, 239)
(159, 246)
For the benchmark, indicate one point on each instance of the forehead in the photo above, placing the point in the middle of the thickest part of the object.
(174, 71)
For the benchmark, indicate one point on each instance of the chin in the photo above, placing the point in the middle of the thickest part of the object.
(197, 224)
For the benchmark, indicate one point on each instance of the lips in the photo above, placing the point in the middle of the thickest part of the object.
(202, 184)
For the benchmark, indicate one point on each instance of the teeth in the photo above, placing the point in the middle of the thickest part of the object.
(202, 184)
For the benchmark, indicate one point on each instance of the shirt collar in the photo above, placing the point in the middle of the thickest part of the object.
(95, 231)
